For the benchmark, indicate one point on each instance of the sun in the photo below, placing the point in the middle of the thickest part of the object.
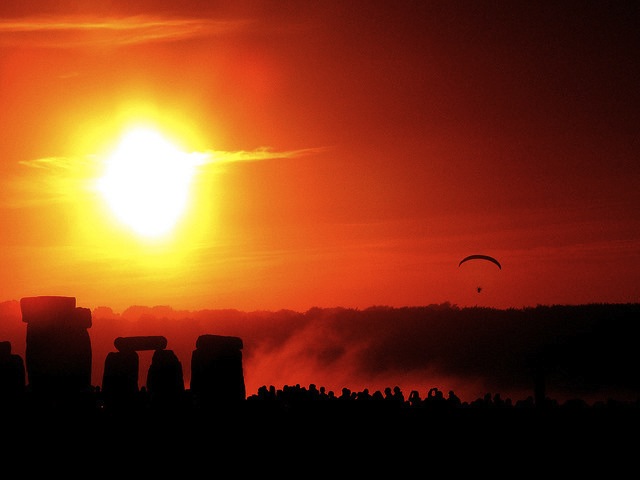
(146, 182)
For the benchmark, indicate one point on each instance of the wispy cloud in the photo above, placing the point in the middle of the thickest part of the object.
(63, 178)
(68, 32)
(47, 180)
(54, 163)
(260, 154)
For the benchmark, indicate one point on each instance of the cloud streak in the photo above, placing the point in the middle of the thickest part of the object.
(70, 32)
(62, 178)
(259, 154)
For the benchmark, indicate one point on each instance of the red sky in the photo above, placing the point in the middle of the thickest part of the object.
(349, 154)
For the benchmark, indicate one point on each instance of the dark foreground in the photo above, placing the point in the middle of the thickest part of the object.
(334, 439)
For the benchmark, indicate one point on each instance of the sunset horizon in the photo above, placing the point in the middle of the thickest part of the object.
(360, 195)
(263, 156)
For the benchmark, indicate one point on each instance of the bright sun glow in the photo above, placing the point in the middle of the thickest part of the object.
(147, 181)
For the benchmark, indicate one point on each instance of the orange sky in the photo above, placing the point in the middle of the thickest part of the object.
(349, 153)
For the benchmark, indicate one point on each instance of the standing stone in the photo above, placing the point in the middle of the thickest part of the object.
(122, 370)
(165, 380)
(58, 348)
(120, 379)
(12, 375)
(217, 375)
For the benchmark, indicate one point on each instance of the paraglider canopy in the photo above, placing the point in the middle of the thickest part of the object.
(480, 257)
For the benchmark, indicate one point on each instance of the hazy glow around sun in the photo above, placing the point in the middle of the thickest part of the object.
(146, 182)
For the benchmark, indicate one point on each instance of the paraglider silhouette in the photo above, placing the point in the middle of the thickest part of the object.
(480, 257)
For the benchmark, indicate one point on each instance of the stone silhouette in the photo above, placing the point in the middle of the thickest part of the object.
(12, 375)
(140, 343)
(165, 381)
(58, 347)
(58, 363)
(120, 379)
(217, 375)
